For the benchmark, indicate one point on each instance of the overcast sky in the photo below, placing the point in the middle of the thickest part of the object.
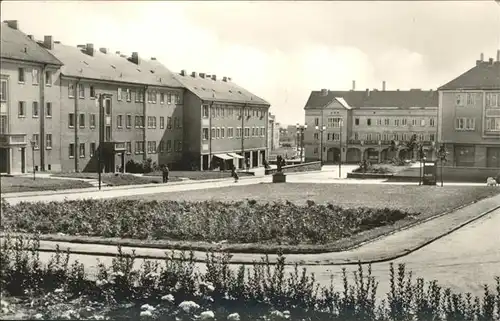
(282, 50)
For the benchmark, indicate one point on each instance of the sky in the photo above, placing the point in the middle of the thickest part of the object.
(282, 50)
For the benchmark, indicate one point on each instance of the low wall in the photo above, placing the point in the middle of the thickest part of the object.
(451, 174)
(304, 167)
(368, 175)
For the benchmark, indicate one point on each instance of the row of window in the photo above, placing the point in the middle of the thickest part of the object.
(466, 99)
(335, 122)
(226, 111)
(35, 109)
(35, 76)
(36, 140)
(139, 121)
(221, 132)
(493, 124)
(153, 147)
(465, 124)
(379, 136)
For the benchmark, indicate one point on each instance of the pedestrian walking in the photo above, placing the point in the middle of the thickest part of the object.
(247, 163)
(165, 172)
(234, 174)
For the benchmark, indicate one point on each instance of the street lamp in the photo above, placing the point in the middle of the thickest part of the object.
(442, 157)
(321, 130)
(33, 145)
(341, 123)
(300, 138)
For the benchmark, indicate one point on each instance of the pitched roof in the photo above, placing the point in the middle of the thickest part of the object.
(111, 67)
(219, 90)
(485, 75)
(372, 99)
(16, 45)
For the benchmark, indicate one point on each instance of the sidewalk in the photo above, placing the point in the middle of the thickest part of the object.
(389, 247)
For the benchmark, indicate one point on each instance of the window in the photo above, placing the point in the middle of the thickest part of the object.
(142, 119)
(462, 123)
(422, 123)
(217, 135)
(92, 121)
(404, 122)
(119, 94)
(369, 136)
(328, 137)
(3, 90)
(460, 99)
(177, 98)
(396, 122)
(316, 136)
(20, 76)
(71, 120)
(169, 122)
(386, 121)
(82, 150)
(119, 121)
(35, 109)
(162, 122)
(205, 111)
(92, 92)
(48, 78)
(137, 121)
(217, 111)
(71, 90)
(492, 100)
(230, 132)
(139, 96)
(81, 121)
(432, 122)
(35, 76)
(128, 121)
(48, 110)
(334, 122)
(414, 122)
(48, 141)
(470, 99)
(205, 133)
(152, 122)
(129, 147)
(71, 151)
(92, 149)
(378, 136)
(139, 147)
(379, 122)
(356, 136)
(247, 131)
(169, 98)
(161, 147)
(493, 124)
(36, 139)
(316, 150)
(316, 121)
(21, 112)
(212, 134)
(238, 132)
(153, 97)
(178, 147)
(169, 146)
(81, 91)
(162, 98)
(432, 137)
(129, 94)
(152, 147)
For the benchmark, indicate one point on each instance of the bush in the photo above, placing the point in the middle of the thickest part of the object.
(146, 166)
(209, 221)
(175, 290)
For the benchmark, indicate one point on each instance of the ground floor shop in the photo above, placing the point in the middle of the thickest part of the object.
(226, 160)
(474, 155)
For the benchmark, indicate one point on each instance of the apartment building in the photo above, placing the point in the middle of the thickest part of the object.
(224, 124)
(355, 125)
(272, 133)
(141, 99)
(29, 104)
(469, 116)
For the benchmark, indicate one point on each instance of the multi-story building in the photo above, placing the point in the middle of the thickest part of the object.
(469, 116)
(288, 136)
(355, 125)
(224, 124)
(141, 114)
(272, 133)
(29, 104)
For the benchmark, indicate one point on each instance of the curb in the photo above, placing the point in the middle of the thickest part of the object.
(315, 263)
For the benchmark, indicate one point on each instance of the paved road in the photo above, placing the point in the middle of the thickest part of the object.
(463, 260)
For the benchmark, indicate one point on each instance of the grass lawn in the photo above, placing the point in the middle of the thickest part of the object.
(27, 184)
(196, 175)
(113, 179)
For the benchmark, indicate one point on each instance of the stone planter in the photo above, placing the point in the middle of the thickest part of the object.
(279, 178)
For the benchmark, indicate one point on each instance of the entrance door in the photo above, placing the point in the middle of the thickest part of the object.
(3, 160)
(23, 160)
(493, 157)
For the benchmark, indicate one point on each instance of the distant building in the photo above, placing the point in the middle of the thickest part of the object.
(469, 116)
(29, 103)
(370, 121)
(224, 124)
(273, 133)
(288, 135)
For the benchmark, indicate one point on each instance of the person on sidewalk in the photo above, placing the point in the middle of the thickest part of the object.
(234, 174)
(165, 171)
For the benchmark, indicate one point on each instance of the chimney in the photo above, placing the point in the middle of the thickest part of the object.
(193, 74)
(214, 77)
(153, 58)
(12, 24)
(90, 49)
(202, 75)
(383, 85)
(48, 42)
(31, 37)
(354, 85)
(482, 57)
(224, 79)
(103, 50)
(56, 41)
(183, 72)
(498, 55)
(228, 78)
(81, 46)
(324, 92)
(367, 92)
(135, 58)
(490, 61)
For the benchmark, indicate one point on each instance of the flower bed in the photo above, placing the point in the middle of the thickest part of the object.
(174, 290)
(209, 221)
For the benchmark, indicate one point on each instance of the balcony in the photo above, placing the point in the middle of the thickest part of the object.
(115, 147)
(12, 140)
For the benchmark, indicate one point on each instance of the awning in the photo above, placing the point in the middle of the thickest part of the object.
(223, 156)
(234, 155)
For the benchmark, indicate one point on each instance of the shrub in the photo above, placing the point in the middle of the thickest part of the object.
(146, 166)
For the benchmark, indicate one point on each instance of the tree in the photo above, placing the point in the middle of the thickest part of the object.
(412, 144)
(393, 148)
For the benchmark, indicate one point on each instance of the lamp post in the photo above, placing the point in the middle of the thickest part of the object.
(442, 157)
(300, 138)
(321, 130)
(33, 145)
(341, 123)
